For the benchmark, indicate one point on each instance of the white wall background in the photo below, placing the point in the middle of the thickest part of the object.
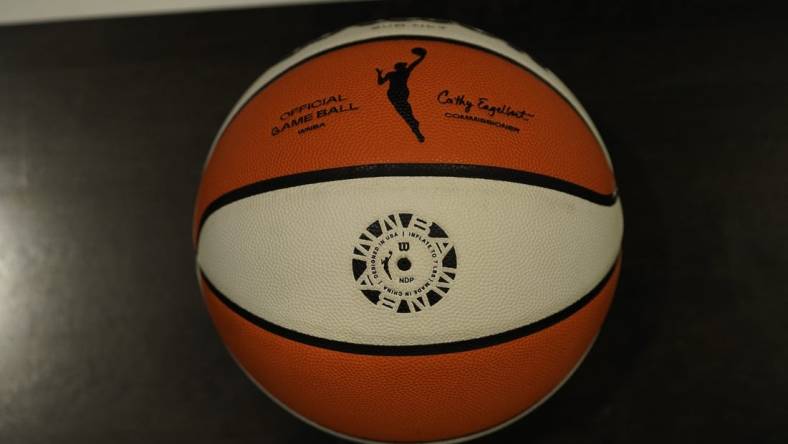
(32, 11)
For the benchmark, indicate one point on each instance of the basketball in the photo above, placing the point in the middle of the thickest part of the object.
(408, 231)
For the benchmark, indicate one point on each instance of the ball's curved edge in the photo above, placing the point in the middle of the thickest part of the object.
(457, 440)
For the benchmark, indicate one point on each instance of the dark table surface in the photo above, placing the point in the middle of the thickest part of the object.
(104, 125)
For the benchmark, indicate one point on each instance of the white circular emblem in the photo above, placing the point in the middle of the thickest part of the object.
(404, 262)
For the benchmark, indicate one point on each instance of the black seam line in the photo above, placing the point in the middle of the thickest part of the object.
(407, 170)
(413, 350)
(413, 37)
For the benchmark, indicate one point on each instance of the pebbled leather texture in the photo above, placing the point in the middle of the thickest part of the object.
(293, 266)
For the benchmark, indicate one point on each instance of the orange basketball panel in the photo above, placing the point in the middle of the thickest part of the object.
(361, 127)
(412, 398)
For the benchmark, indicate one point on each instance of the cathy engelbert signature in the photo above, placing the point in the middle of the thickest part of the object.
(482, 104)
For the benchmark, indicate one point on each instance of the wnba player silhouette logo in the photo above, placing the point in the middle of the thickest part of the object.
(398, 89)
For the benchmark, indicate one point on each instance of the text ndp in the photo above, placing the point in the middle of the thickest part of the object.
(308, 116)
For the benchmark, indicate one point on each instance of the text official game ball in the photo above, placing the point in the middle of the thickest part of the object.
(408, 231)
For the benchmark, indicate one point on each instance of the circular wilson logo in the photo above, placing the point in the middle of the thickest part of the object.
(404, 262)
